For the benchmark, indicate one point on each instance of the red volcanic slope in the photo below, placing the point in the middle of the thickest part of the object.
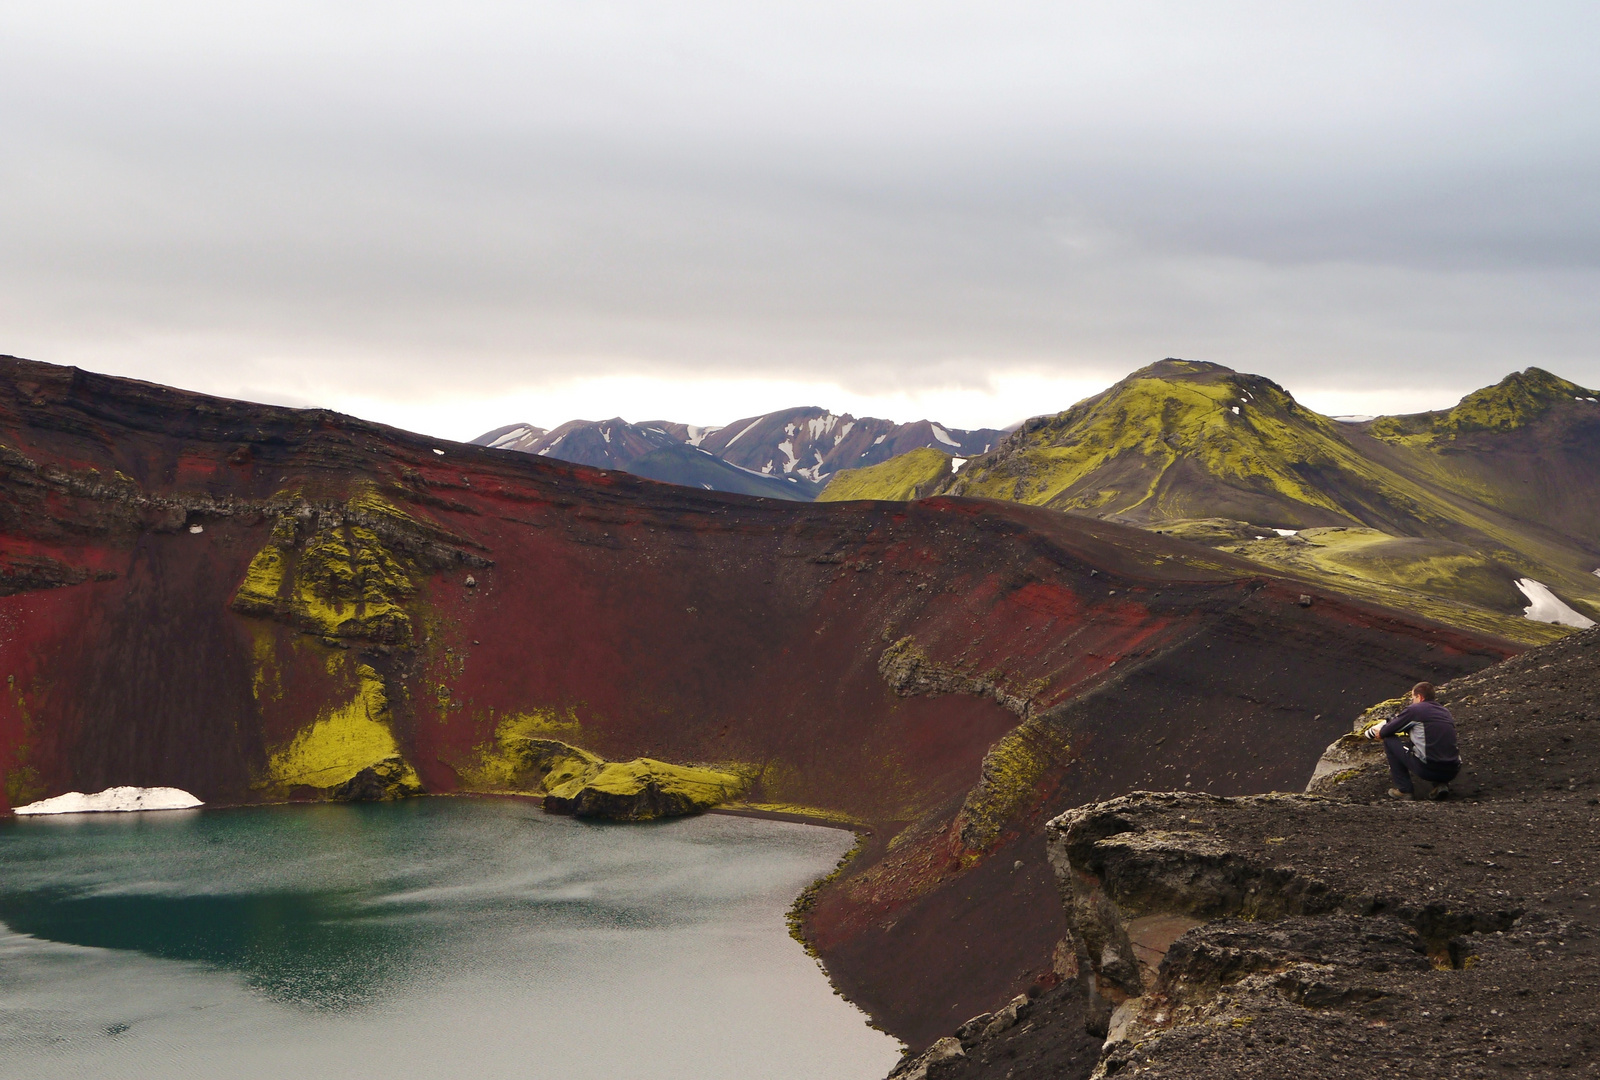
(663, 621)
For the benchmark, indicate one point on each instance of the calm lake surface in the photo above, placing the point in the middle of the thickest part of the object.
(433, 938)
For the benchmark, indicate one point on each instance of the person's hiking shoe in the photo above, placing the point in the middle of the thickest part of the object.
(1440, 791)
(1396, 793)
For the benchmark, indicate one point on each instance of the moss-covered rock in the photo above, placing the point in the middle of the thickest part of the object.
(349, 752)
(381, 781)
(1009, 783)
(642, 790)
(331, 574)
(348, 570)
(524, 757)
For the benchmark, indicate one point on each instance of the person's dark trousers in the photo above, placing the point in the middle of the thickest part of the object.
(1403, 765)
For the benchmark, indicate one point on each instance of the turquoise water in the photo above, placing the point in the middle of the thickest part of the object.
(433, 938)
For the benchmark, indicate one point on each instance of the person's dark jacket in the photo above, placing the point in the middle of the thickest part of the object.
(1432, 729)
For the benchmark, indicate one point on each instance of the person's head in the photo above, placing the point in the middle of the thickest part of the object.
(1423, 691)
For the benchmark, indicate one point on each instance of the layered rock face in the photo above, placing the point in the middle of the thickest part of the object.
(1346, 934)
(256, 604)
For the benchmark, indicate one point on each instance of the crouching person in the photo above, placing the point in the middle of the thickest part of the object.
(1432, 755)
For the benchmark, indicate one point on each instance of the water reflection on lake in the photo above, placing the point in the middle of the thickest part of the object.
(428, 938)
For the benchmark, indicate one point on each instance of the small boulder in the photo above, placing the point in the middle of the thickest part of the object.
(381, 781)
(917, 1068)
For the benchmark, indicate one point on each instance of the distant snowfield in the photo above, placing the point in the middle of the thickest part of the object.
(113, 800)
(1546, 606)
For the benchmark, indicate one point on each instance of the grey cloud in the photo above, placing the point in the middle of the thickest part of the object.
(872, 194)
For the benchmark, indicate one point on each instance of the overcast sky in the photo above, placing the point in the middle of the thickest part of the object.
(456, 215)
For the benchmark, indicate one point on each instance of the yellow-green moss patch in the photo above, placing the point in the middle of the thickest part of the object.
(908, 476)
(1514, 402)
(643, 789)
(1435, 578)
(340, 743)
(343, 580)
(1381, 713)
(1240, 432)
(24, 785)
(526, 755)
(813, 813)
(1012, 770)
(807, 899)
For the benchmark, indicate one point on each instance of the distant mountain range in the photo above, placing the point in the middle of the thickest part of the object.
(791, 454)
(1469, 515)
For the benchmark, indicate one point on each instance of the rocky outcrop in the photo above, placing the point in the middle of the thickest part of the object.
(1141, 870)
(642, 790)
(381, 781)
(940, 1058)
(909, 671)
(1351, 917)
(1260, 935)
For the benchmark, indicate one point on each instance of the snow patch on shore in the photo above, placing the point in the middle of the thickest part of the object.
(1546, 606)
(113, 800)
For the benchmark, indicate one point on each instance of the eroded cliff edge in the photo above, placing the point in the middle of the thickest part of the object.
(1343, 934)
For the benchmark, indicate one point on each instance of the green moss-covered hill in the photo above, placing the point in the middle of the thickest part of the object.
(909, 476)
(1441, 513)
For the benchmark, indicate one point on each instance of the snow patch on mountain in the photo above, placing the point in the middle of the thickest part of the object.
(743, 433)
(820, 425)
(521, 431)
(1546, 606)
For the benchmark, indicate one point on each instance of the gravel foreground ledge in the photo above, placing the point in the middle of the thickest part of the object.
(1337, 936)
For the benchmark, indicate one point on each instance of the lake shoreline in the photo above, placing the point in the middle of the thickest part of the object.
(794, 817)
